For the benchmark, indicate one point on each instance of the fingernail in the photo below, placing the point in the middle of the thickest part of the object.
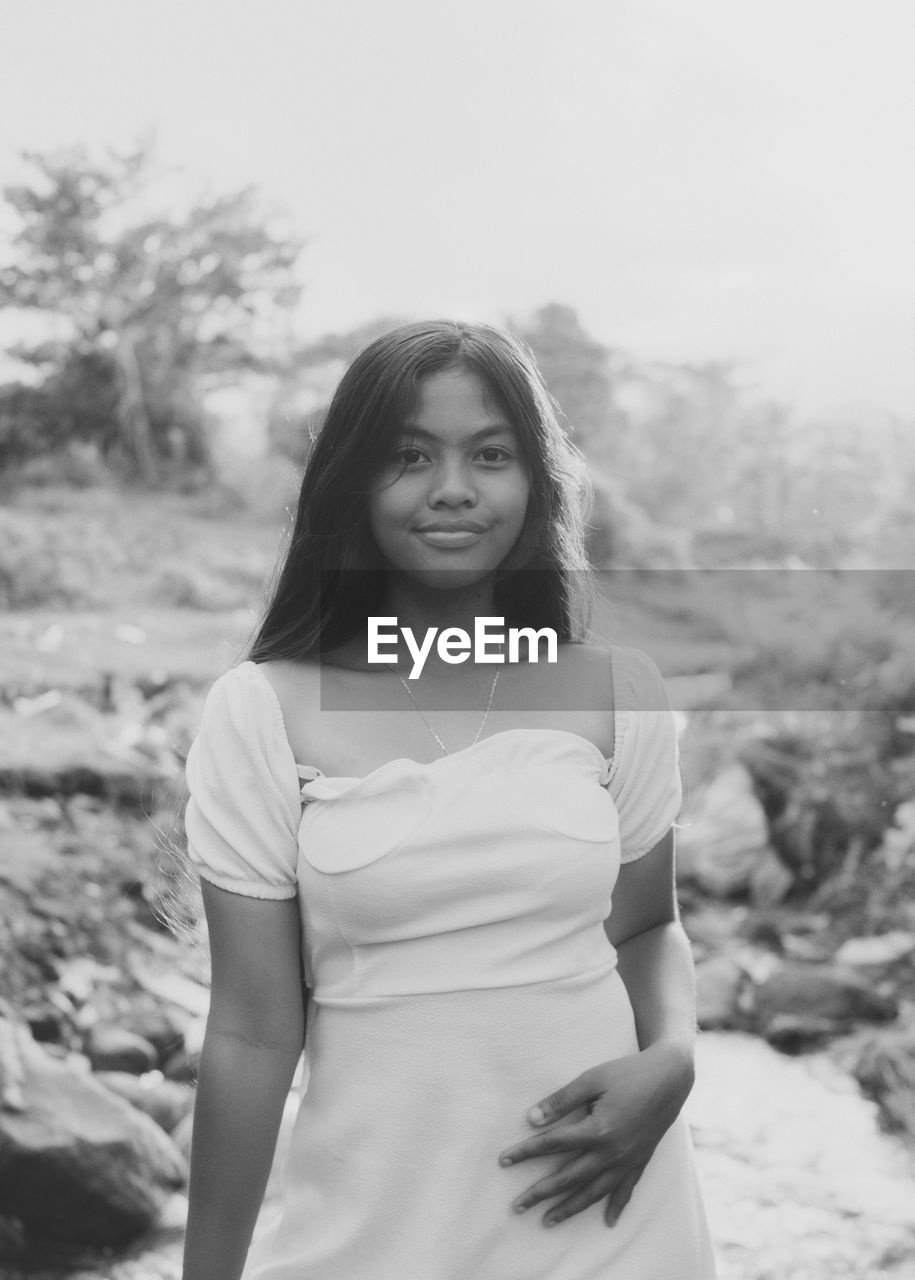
(520, 1207)
(551, 1222)
(536, 1116)
(505, 1160)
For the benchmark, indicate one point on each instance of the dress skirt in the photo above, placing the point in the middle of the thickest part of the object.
(393, 1169)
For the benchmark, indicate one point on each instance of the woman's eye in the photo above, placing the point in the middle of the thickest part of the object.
(494, 453)
(408, 455)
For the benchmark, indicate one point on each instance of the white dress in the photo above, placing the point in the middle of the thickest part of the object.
(453, 939)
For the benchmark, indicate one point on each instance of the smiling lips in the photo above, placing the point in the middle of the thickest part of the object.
(451, 533)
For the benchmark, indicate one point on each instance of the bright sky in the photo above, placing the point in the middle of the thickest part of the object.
(701, 179)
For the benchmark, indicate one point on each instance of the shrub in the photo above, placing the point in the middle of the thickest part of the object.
(40, 566)
(28, 425)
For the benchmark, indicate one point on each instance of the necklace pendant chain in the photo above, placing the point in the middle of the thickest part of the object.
(422, 714)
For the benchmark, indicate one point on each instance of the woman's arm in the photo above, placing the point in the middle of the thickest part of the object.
(633, 1100)
(253, 1041)
(654, 956)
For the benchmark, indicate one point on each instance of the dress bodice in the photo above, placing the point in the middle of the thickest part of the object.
(506, 852)
(476, 870)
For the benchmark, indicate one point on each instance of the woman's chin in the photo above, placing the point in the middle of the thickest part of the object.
(450, 578)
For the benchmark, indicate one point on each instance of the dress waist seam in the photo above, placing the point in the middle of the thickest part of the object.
(569, 980)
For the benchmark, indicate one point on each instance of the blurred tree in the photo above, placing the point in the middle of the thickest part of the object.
(146, 302)
(304, 392)
(577, 369)
(681, 438)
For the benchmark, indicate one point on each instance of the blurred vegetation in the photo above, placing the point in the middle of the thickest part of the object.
(155, 305)
(149, 448)
(142, 301)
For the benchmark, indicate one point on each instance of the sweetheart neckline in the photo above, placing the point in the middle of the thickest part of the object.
(453, 755)
(606, 762)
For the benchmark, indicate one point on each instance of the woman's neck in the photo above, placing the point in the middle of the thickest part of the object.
(421, 608)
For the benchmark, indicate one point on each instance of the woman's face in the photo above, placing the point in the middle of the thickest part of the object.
(451, 503)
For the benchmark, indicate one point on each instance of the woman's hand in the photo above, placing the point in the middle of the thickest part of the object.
(631, 1102)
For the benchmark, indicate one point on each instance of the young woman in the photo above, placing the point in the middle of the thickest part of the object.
(429, 853)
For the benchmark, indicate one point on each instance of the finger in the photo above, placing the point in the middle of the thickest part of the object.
(577, 1093)
(564, 1137)
(581, 1199)
(621, 1194)
(573, 1174)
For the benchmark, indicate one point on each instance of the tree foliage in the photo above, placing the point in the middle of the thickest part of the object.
(142, 300)
(684, 446)
(578, 372)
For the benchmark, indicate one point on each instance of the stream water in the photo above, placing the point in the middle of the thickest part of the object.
(799, 1181)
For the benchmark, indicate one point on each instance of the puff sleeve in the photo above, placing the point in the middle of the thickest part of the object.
(644, 777)
(243, 814)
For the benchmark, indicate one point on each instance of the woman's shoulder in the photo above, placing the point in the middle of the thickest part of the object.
(252, 701)
(241, 707)
(632, 674)
(637, 680)
(287, 677)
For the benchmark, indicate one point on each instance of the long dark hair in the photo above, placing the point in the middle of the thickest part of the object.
(332, 575)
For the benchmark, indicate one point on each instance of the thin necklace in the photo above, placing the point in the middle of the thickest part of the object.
(445, 751)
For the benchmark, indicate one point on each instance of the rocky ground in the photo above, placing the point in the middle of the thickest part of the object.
(806, 1005)
(800, 1182)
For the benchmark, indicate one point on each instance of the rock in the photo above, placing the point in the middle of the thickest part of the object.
(164, 1101)
(32, 950)
(169, 986)
(79, 1167)
(183, 1133)
(724, 836)
(885, 949)
(886, 1073)
(158, 1028)
(46, 1025)
(770, 880)
(79, 976)
(718, 983)
(711, 926)
(114, 1049)
(763, 930)
(823, 992)
(792, 1033)
(40, 757)
(798, 1181)
(183, 1067)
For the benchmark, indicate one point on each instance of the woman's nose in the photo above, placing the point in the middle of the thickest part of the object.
(453, 485)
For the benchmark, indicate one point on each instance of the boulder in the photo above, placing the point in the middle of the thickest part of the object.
(53, 754)
(886, 1073)
(79, 1167)
(111, 1048)
(183, 1066)
(875, 952)
(164, 1101)
(724, 836)
(770, 880)
(718, 985)
(46, 1024)
(798, 1033)
(183, 1134)
(158, 1028)
(826, 993)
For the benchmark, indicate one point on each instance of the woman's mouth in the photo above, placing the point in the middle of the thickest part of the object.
(450, 536)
